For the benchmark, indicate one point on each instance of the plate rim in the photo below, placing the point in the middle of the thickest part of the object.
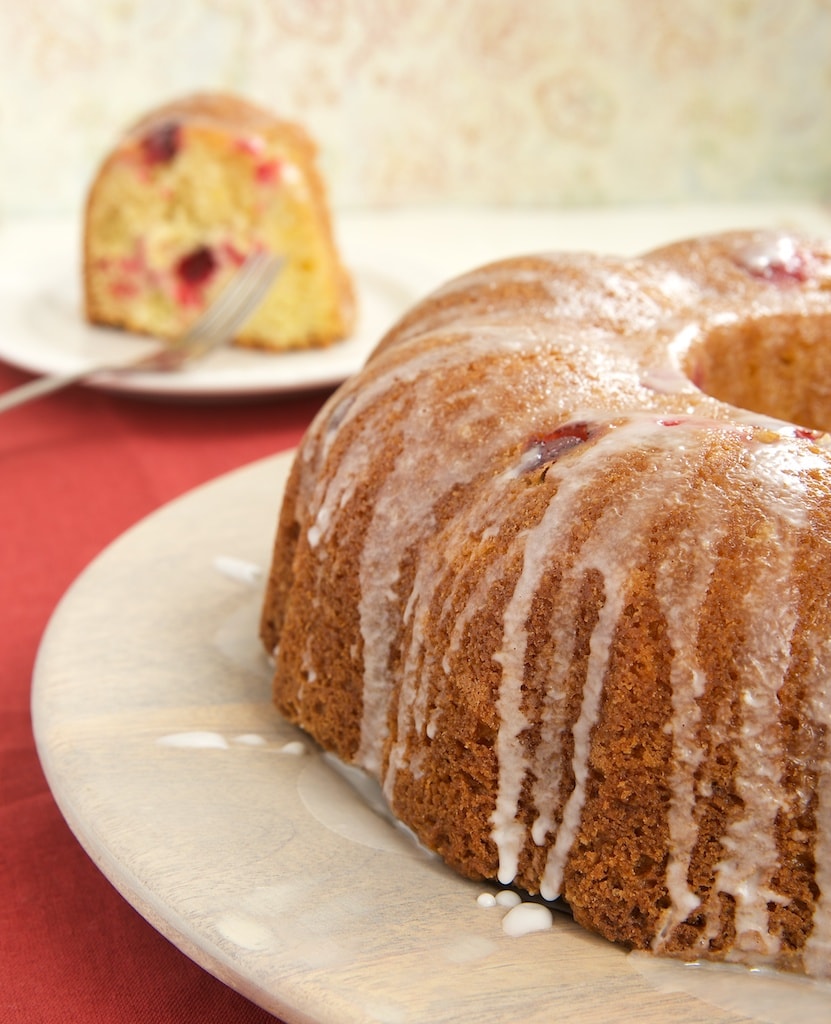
(293, 1002)
(377, 276)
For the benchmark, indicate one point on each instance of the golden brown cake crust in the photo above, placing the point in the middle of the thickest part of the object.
(225, 111)
(554, 569)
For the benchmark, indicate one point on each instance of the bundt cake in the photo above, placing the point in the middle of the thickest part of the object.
(184, 197)
(555, 567)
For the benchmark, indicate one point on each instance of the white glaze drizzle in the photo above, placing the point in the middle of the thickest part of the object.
(615, 542)
(402, 514)
(750, 851)
(614, 547)
(751, 855)
(681, 588)
(614, 550)
(238, 569)
(196, 739)
(526, 918)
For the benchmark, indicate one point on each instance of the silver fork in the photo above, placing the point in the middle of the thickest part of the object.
(215, 327)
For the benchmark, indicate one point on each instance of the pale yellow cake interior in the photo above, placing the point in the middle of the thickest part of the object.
(228, 191)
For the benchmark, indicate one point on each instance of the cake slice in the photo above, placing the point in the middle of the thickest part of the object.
(184, 196)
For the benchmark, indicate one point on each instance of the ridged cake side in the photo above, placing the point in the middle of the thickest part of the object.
(571, 610)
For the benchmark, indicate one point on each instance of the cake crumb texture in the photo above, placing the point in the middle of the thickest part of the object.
(189, 191)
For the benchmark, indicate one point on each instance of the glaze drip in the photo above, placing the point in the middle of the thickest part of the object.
(585, 634)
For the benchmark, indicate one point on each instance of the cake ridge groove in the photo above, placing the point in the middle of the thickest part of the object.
(568, 603)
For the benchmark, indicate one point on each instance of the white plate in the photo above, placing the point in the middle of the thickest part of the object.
(231, 834)
(397, 255)
(42, 329)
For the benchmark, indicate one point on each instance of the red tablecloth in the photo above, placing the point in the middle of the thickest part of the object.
(76, 470)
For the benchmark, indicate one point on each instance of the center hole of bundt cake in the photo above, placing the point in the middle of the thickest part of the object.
(779, 366)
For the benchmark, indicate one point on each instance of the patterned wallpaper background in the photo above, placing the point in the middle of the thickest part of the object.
(477, 101)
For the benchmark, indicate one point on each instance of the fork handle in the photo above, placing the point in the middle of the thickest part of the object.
(41, 386)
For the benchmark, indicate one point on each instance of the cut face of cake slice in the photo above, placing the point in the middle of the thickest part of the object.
(185, 195)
